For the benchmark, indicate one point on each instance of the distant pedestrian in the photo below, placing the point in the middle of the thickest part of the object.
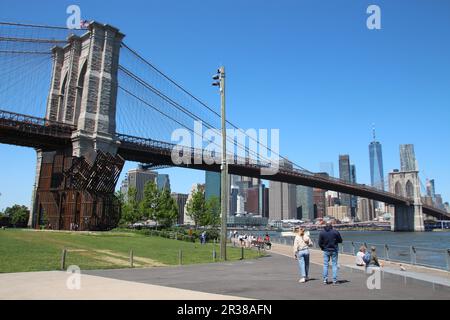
(302, 243)
(241, 240)
(203, 237)
(267, 242)
(329, 240)
(360, 256)
(248, 240)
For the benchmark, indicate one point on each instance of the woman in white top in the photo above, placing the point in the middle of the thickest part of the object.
(360, 256)
(302, 243)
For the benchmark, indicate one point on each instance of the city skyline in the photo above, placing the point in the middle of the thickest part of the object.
(397, 96)
(247, 197)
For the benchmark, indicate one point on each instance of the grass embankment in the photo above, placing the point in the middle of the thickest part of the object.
(30, 250)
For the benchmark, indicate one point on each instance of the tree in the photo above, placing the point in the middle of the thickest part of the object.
(167, 212)
(212, 216)
(151, 202)
(130, 207)
(5, 221)
(18, 215)
(158, 205)
(196, 207)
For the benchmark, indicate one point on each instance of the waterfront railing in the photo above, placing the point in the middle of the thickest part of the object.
(420, 256)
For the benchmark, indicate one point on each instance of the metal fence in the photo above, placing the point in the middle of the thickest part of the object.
(427, 257)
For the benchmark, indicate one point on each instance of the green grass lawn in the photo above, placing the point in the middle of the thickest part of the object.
(31, 250)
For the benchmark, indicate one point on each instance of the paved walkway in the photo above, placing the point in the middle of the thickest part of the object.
(51, 285)
(271, 277)
(275, 277)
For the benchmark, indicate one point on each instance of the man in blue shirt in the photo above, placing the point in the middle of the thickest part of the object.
(329, 240)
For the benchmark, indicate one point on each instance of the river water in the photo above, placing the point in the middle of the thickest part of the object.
(422, 248)
(434, 240)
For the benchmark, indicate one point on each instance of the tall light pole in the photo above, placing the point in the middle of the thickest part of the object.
(220, 82)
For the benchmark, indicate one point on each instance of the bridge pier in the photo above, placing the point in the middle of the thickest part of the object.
(75, 186)
(407, 217)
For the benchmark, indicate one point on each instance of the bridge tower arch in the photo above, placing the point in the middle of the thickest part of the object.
(75, 185)
(407, 217)
(84, 88)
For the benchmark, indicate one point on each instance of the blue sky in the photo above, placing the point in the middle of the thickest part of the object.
(310, 68)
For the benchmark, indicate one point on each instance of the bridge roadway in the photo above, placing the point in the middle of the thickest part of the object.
(23, 130)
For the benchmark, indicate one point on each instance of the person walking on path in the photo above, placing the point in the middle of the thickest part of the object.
(329, 240)
(302, 243)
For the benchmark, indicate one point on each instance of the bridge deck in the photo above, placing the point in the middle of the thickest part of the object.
(36, 132)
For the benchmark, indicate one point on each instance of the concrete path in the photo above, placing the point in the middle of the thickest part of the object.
(51, 285)
(271, 277)
(275, 277)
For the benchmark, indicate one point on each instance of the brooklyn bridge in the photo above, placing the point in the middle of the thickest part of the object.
(87, 102)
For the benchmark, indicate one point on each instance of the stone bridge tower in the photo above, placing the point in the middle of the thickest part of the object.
(407, 217)
(83, 91)
(74, 187)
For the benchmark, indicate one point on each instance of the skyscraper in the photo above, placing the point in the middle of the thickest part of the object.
(344, 167)
(212, 184)
(353, 199)
(319, 199)
(352, 173)
(376, 164)
(124, 187)
(431, 191)
(282, 198)
(305, 203)
(234, 179)
(438, 202)
(344, 174)
(252, 201)
(233, 200)
(163, 181)
(181, 200)
(407, 158)
(266, 203)
(137, 178)
(261, 195)
(366, 209)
